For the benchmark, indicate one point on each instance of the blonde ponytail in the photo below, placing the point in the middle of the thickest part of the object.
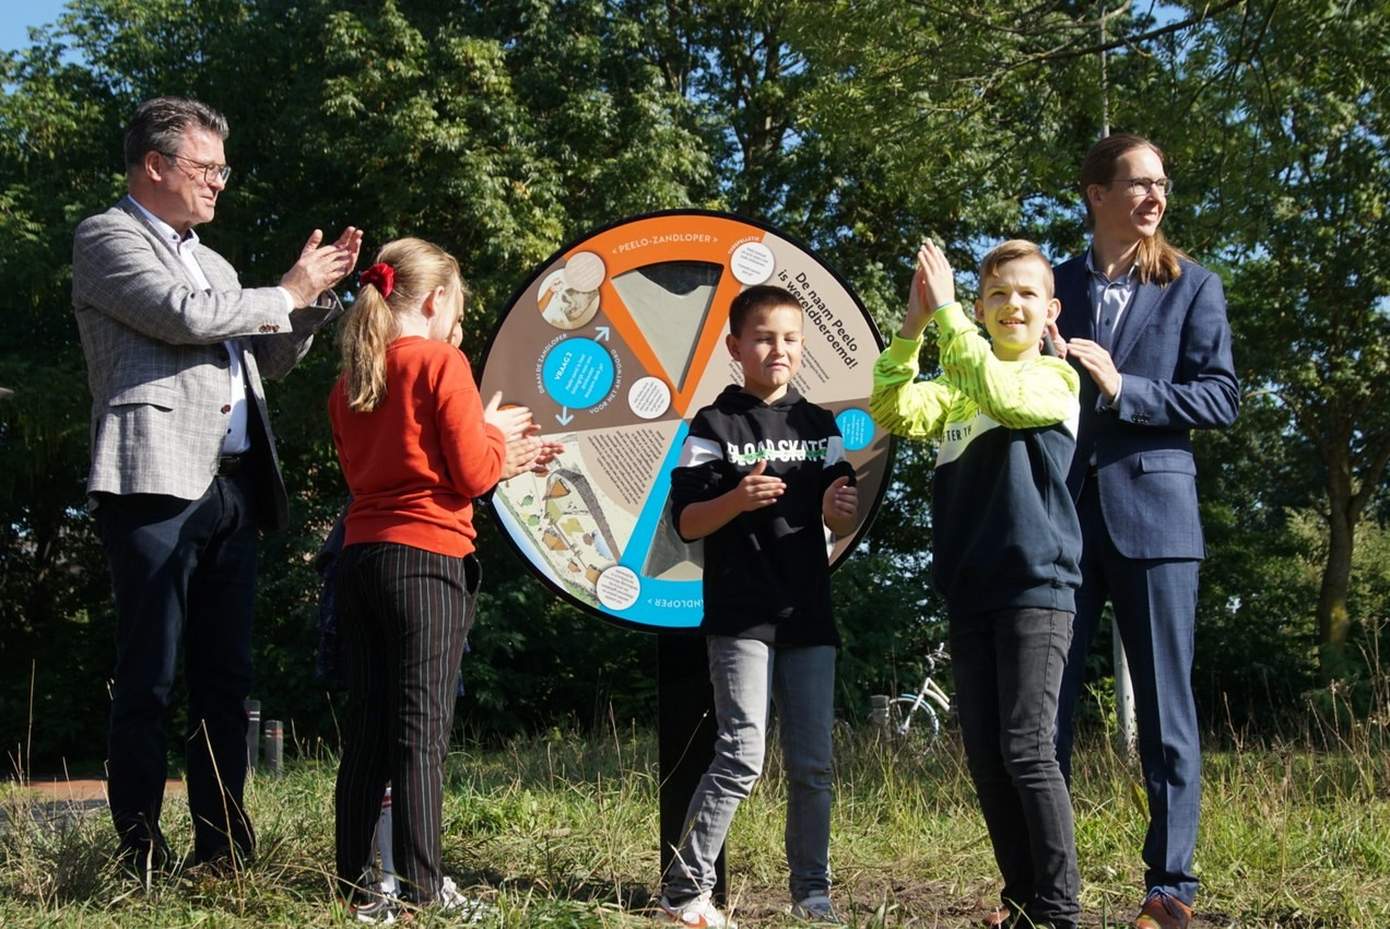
(416, 268)
(366, 331)
(1158, 261)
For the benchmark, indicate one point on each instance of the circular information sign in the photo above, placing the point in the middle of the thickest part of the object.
(614, 344)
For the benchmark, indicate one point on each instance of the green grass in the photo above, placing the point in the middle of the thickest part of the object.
(561, 831)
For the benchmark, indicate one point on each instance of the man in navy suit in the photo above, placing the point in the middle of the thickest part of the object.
(1147, 328)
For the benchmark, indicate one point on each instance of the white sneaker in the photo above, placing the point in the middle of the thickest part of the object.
(696, 913)
(460, 906)
(384, 910)
(816, 909)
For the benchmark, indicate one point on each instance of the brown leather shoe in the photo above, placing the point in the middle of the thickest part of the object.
(1163, 911)
(1001, 917)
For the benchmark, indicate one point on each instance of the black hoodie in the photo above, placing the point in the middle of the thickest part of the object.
(766, 573)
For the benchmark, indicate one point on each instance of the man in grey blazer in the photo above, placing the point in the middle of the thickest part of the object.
(1147, 328)
(184, 468)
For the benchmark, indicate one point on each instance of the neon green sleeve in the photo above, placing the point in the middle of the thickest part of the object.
(902, 404)
(1017, 395)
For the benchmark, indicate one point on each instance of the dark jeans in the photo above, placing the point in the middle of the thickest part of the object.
(1156, 611)
(405, 613)
(1008, 669)
(181, 569)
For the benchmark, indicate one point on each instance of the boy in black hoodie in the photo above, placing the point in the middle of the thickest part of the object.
(761, 475)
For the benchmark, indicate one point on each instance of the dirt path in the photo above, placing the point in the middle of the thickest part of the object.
(53, 799)
(82, 790)
(919, 904)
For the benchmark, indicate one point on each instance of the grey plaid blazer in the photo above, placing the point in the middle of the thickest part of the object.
(155, 360)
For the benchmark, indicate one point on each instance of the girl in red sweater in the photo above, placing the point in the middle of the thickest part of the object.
(416, 446)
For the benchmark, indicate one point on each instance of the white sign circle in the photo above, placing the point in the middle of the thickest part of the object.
(649, 397)
(752, 263)
(618, 587)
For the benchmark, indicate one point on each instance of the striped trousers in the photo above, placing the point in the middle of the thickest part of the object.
(404, 613)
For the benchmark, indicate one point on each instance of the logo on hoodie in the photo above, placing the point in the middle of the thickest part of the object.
(750, 453)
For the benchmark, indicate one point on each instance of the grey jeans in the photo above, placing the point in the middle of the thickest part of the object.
(746, 674)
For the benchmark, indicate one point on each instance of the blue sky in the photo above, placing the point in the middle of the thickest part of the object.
(19, 16)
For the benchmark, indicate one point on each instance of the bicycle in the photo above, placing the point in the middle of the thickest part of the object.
(918, 716)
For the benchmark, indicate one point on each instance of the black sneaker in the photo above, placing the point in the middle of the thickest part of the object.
(143, 862)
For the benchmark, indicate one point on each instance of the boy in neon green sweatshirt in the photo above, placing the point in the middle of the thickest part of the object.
(1007, 549)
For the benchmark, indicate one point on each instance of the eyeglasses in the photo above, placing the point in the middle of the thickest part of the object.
(211, 172)
(1143, 186)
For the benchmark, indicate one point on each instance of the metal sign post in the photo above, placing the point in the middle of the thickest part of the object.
(685, 742)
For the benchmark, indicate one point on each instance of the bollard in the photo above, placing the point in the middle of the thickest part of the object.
(1124, 692)
(274, 746)
(253, 733)
(878, 712)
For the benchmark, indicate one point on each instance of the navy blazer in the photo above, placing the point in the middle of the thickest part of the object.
(1173, 350)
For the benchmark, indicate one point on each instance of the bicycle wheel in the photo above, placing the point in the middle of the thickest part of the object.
(919, 727)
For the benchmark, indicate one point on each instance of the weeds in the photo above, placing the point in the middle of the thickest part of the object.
(560, 830)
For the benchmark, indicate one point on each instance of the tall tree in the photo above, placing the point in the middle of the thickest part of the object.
(1310, 288)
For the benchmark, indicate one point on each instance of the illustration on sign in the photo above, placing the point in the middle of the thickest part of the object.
(614, 344)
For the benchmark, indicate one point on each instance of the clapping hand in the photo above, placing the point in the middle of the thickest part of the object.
(518, 432)
(933, 286)
(520, 456)
(350, 245)
(512, 421)
(757, 489)
(839, 505)
(939, 283)
(547, 453)
(321, 266)
(525, 450)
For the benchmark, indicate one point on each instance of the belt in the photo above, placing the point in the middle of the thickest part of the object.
(229, 465)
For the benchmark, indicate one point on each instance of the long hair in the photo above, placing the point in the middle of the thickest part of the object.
(1158, 260)
(370, 325)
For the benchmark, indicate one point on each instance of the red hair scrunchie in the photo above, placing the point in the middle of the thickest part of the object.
(381, 275)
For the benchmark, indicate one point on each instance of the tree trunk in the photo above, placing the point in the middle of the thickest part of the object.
(1334, 623)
